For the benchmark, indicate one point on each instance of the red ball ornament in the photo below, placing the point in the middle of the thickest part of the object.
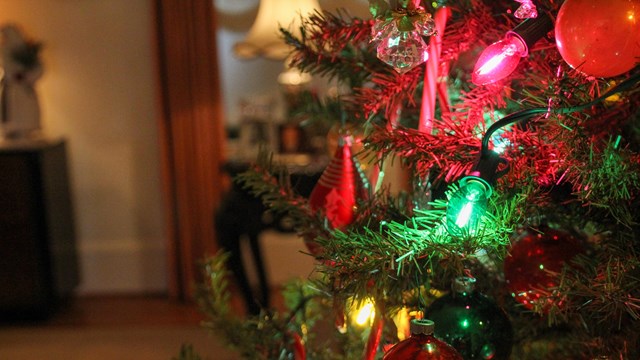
(422, 345)
(532, 256)
(599, 38)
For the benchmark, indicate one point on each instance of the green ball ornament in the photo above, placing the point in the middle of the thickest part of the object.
(471, 322)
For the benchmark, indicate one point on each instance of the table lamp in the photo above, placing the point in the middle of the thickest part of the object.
(264, 38)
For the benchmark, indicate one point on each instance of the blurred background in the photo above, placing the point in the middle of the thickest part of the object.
(105, 96)
(99, 91)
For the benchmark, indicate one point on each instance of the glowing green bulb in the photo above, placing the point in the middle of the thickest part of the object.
(465, 215)
(467, 206)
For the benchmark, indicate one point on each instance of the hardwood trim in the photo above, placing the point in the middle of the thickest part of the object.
(191, 134)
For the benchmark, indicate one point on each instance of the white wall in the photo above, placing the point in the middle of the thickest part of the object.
(98, 92)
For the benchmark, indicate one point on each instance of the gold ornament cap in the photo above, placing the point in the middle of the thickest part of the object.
(422, 326)
(463, 285)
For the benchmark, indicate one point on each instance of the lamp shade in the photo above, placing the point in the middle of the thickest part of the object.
(264, 38)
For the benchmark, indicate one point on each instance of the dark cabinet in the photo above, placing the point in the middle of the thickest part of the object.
(38, 261)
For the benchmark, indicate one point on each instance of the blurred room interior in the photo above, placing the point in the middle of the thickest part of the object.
(147, 111)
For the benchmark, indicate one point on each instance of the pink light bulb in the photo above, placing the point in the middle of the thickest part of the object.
(499, 60)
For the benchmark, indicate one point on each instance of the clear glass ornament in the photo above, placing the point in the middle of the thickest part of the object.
(426, 27)
(527, 10)
(403, 50)
(381, 29)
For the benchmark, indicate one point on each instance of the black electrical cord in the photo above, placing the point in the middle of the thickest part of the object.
(527, 113)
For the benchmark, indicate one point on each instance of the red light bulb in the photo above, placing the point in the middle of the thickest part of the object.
(499, 60)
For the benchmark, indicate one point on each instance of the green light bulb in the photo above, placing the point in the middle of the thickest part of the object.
(467, 206)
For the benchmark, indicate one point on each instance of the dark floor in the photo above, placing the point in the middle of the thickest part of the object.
(115, 327)
(125, 310)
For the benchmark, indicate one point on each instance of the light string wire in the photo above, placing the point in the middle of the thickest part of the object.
(527, 113)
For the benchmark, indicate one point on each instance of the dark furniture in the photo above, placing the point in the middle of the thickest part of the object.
(242, 217)
(38, 262)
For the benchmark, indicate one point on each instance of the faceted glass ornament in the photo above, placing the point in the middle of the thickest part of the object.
(422, 345)
(527, 10)
(403, 50)
(471, 322)
(427, 26)
(532, 256)
(381, 29)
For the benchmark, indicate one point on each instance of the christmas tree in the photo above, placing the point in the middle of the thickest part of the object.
(510, 133)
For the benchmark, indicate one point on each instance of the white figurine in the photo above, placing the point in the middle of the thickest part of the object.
(19, 107)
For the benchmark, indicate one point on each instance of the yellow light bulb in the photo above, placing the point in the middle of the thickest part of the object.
(365, 314)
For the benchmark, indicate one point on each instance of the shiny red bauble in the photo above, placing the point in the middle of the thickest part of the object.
(533, 257)
(599, 38)
(422, 345)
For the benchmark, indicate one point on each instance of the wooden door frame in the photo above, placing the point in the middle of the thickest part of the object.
(191, 134)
